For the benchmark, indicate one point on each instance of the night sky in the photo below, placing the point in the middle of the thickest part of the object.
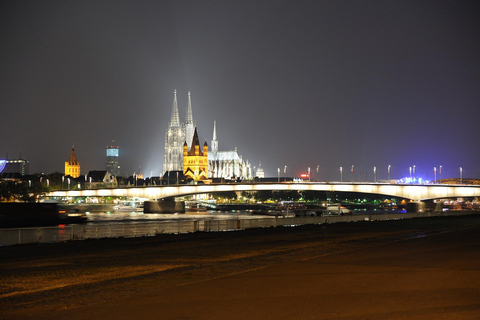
(290, 83)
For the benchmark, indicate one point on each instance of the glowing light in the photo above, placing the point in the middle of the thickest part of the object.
(3, 163)
(112, 152)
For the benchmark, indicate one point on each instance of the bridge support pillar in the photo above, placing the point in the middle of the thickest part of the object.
(424, 207)
(168, 205)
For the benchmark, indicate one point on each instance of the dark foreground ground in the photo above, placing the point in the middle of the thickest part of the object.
(406, 269)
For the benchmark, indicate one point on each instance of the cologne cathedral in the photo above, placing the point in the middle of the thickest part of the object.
(177, 133)
(180, 140)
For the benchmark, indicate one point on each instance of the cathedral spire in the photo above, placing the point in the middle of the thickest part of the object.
(73, 157)
(189, 122)
(189, 117)
(175, 120)
(214, 130)
(214, 140)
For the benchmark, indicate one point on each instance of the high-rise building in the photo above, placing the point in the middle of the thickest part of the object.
(112, 160)
(72, 166)
(17, 166)
(195, 161)
(177, 133)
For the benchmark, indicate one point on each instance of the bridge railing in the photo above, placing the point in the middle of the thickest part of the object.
(98, 231)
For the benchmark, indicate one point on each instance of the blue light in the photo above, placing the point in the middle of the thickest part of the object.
(407, 180)
(3, 163)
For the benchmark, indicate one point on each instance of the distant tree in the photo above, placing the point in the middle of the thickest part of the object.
(14, 191)
(263, 195)
(226, 195)
(286, 195)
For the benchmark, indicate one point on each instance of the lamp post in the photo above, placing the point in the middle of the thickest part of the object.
(374, 174)
(278, 170)
(285, 172)
(68, 179)
(440, 172)
(389, 166)
(413, 172)
(410, 174)
(435, 175)
(461, 175)
(341, 174)
(318, 166)
(308, 174)
(352, 171)
(63, 179)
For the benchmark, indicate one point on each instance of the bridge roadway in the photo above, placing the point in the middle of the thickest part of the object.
(413, 192)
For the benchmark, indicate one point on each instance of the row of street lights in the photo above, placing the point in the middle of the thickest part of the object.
(389, 168)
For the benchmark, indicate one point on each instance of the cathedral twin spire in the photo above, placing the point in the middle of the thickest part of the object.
(177, 133)
(175, 120)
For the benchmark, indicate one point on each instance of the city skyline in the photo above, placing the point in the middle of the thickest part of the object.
(296, 84)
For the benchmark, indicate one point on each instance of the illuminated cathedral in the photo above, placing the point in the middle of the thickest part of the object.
(227, 164)
(177, 133)
(181, 154)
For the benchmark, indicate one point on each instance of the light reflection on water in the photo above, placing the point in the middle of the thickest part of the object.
(129, 217)
(135, 217)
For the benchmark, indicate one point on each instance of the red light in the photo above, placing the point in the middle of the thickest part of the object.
(61, 226)
(304, 175)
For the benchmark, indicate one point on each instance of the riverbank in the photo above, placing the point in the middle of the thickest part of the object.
(42, 277)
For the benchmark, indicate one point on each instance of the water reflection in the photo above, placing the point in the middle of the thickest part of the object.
(128, 217)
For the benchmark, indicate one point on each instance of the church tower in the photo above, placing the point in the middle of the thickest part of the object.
(72, 166)
(195, 160)
(174, 138)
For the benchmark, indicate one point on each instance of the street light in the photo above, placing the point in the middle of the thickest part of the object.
(413, 171)
(440, 172)
(341, 174)
(410, 174)
(374, 174)
(278, 175)
(308, 174)
(352, 171)
(389, 166)
(461, 177)
(435, 174)
(317, 171)
(285, 172)
(63, 179)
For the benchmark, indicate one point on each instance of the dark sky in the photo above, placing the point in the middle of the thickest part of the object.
(290, 83)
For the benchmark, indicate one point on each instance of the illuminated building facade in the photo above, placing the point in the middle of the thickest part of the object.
(72, 166)
(17, 166)
(195, 160)
(177, 133)
(260, 173)
(112, 160)
(100, 179)
(226, 164)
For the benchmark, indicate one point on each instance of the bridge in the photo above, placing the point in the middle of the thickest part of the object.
(412, 192)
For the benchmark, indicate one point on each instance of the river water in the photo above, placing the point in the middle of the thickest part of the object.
(136, 217)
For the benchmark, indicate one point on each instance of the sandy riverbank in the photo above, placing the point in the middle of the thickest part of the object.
(36, 278)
